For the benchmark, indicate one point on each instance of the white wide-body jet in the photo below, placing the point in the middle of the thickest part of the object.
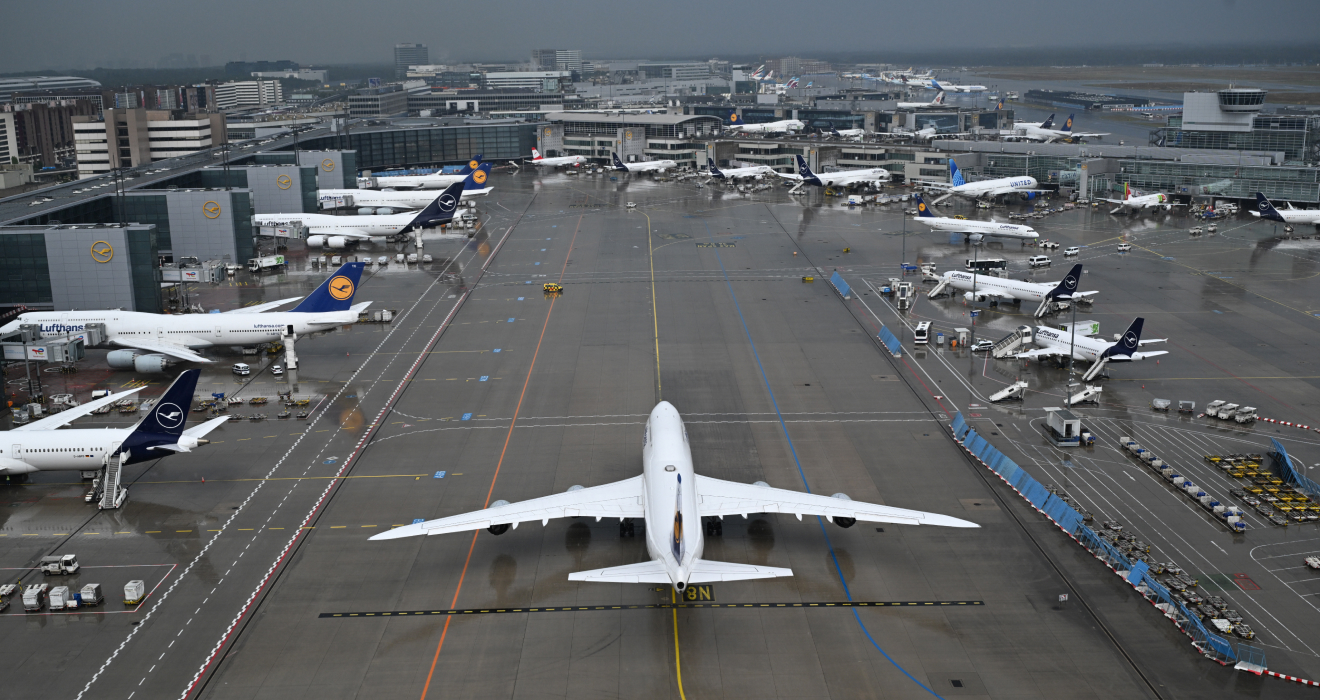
(476, 184)
(1136, 203)
(988, 288)
(754, 172)
(982, 189)
(644, 166)
(1046, 132)
(434, 181)
(973, 230)
(557, 161)
(180, 336)
(1052, 342)
(674, 500)
(842, 178)
(1266, 210)
(935, 103)
(780, 127)
(339, 231)
(853, 134)
(41, 446)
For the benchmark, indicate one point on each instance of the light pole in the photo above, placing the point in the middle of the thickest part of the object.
(1072, 350)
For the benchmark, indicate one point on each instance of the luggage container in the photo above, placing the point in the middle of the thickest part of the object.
(1157, 464)
(1246, 414)
(59, 597)
(134, 591)
(91, 594)
(1166, 471)
(1178, 480)
(34, 597)
(1186, 406)
(1160, 404)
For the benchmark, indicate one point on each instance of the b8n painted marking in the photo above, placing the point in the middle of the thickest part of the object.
(696, 594)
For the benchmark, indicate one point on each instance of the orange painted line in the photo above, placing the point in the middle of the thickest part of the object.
(507, 437)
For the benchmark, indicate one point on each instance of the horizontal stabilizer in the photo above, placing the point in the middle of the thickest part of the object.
(200, 430)
(645, 572)
(704, 571)
(258, 308)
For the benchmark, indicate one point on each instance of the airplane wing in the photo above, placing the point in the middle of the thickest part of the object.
(174, 350)
(1113, 201)
(1144, 355)
(1152, 340)
(719, 497)
(258, 308)
(1083, 136)
(1041, 352)
(621, 499)
(63, 418)
(643, 572)
(929, 183)
(347, 233)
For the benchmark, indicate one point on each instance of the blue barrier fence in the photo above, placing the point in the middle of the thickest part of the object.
(839, 284)
(887, 337)
(1070, 521)
(1291, 472)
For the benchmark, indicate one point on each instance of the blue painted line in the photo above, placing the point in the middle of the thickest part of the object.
(440, 475)
(543, 250)
(536, 263)
(527, 282)
(466, 416)
(510, 320)
(484, 377)
(496, 350)
(417, 520)
(783, 426)
(1217, 311)
(520, 298)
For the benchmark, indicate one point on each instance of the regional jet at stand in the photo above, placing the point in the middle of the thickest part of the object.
(680, 508)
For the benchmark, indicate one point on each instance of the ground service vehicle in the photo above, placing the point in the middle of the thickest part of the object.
(921, 335)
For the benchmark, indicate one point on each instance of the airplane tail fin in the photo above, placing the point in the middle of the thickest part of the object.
(618, 164)
(922, 208)
(1067, 126)
(999, 106)
(472, 164)
(164, 423)
(805, 171)
(1266, 209)
(441, 209)
(1048, 123)
(936, 84)
(336, 293)
(1128, 343)
(536, 155)
(476, 180)
(955, 175)
(714, 169)
(939, 99)
(1069, 283)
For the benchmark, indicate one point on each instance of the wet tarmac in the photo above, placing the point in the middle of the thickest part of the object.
(255, 547)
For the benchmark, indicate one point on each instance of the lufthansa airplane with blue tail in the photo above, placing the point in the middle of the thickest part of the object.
(158, 339)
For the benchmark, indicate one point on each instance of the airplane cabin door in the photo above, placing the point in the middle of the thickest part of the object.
(17, 451)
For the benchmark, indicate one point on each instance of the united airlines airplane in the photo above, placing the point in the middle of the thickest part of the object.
(675, 502)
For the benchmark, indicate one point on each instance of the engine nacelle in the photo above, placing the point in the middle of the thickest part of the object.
(976, 238)
(503, 527)
(974, 297)
(337, 242)
(844, 522)
(134, 360)
(315, 241)
(150, 364)
(384, 211)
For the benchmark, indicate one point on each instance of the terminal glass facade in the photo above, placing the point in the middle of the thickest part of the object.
(24, 270)
(143, 271)
(1297, 136)
(149, 209)
(377, 150)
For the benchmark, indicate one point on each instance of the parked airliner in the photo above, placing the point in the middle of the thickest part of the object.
(434, 181)
(751, 172)
(983, 288)
(973, 230)
(1053, 342)
(557, 161)
(339, 231)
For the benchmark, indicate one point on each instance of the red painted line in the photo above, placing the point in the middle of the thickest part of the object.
(371, 429)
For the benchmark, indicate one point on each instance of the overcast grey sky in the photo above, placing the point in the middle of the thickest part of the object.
(107, 33)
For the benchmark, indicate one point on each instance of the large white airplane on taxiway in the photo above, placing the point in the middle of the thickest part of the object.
(779, 127)
(674, 501)
(1046, 133)
(842, 178)
(179, 336)
(935, 103)
(973, 230)
(950, 87)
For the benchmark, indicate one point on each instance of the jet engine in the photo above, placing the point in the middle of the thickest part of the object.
(315, 241)
(384, 211)
(976, 238)
(976, 298)
(503, 527)
(844, 522)
(139, 362)
(337, 242)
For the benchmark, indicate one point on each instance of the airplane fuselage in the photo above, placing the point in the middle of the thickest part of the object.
(1084, 347)
(1295, 216)
(784, 126)
(744, 173)
(852, 177)
(418, 182)
(674, 533)
(1012, 289)
(558, 161)
(983, 228)
(408, 199)
(328, 224)
(190, 330)
(648, 166)
(26, 451)
(998, 186)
